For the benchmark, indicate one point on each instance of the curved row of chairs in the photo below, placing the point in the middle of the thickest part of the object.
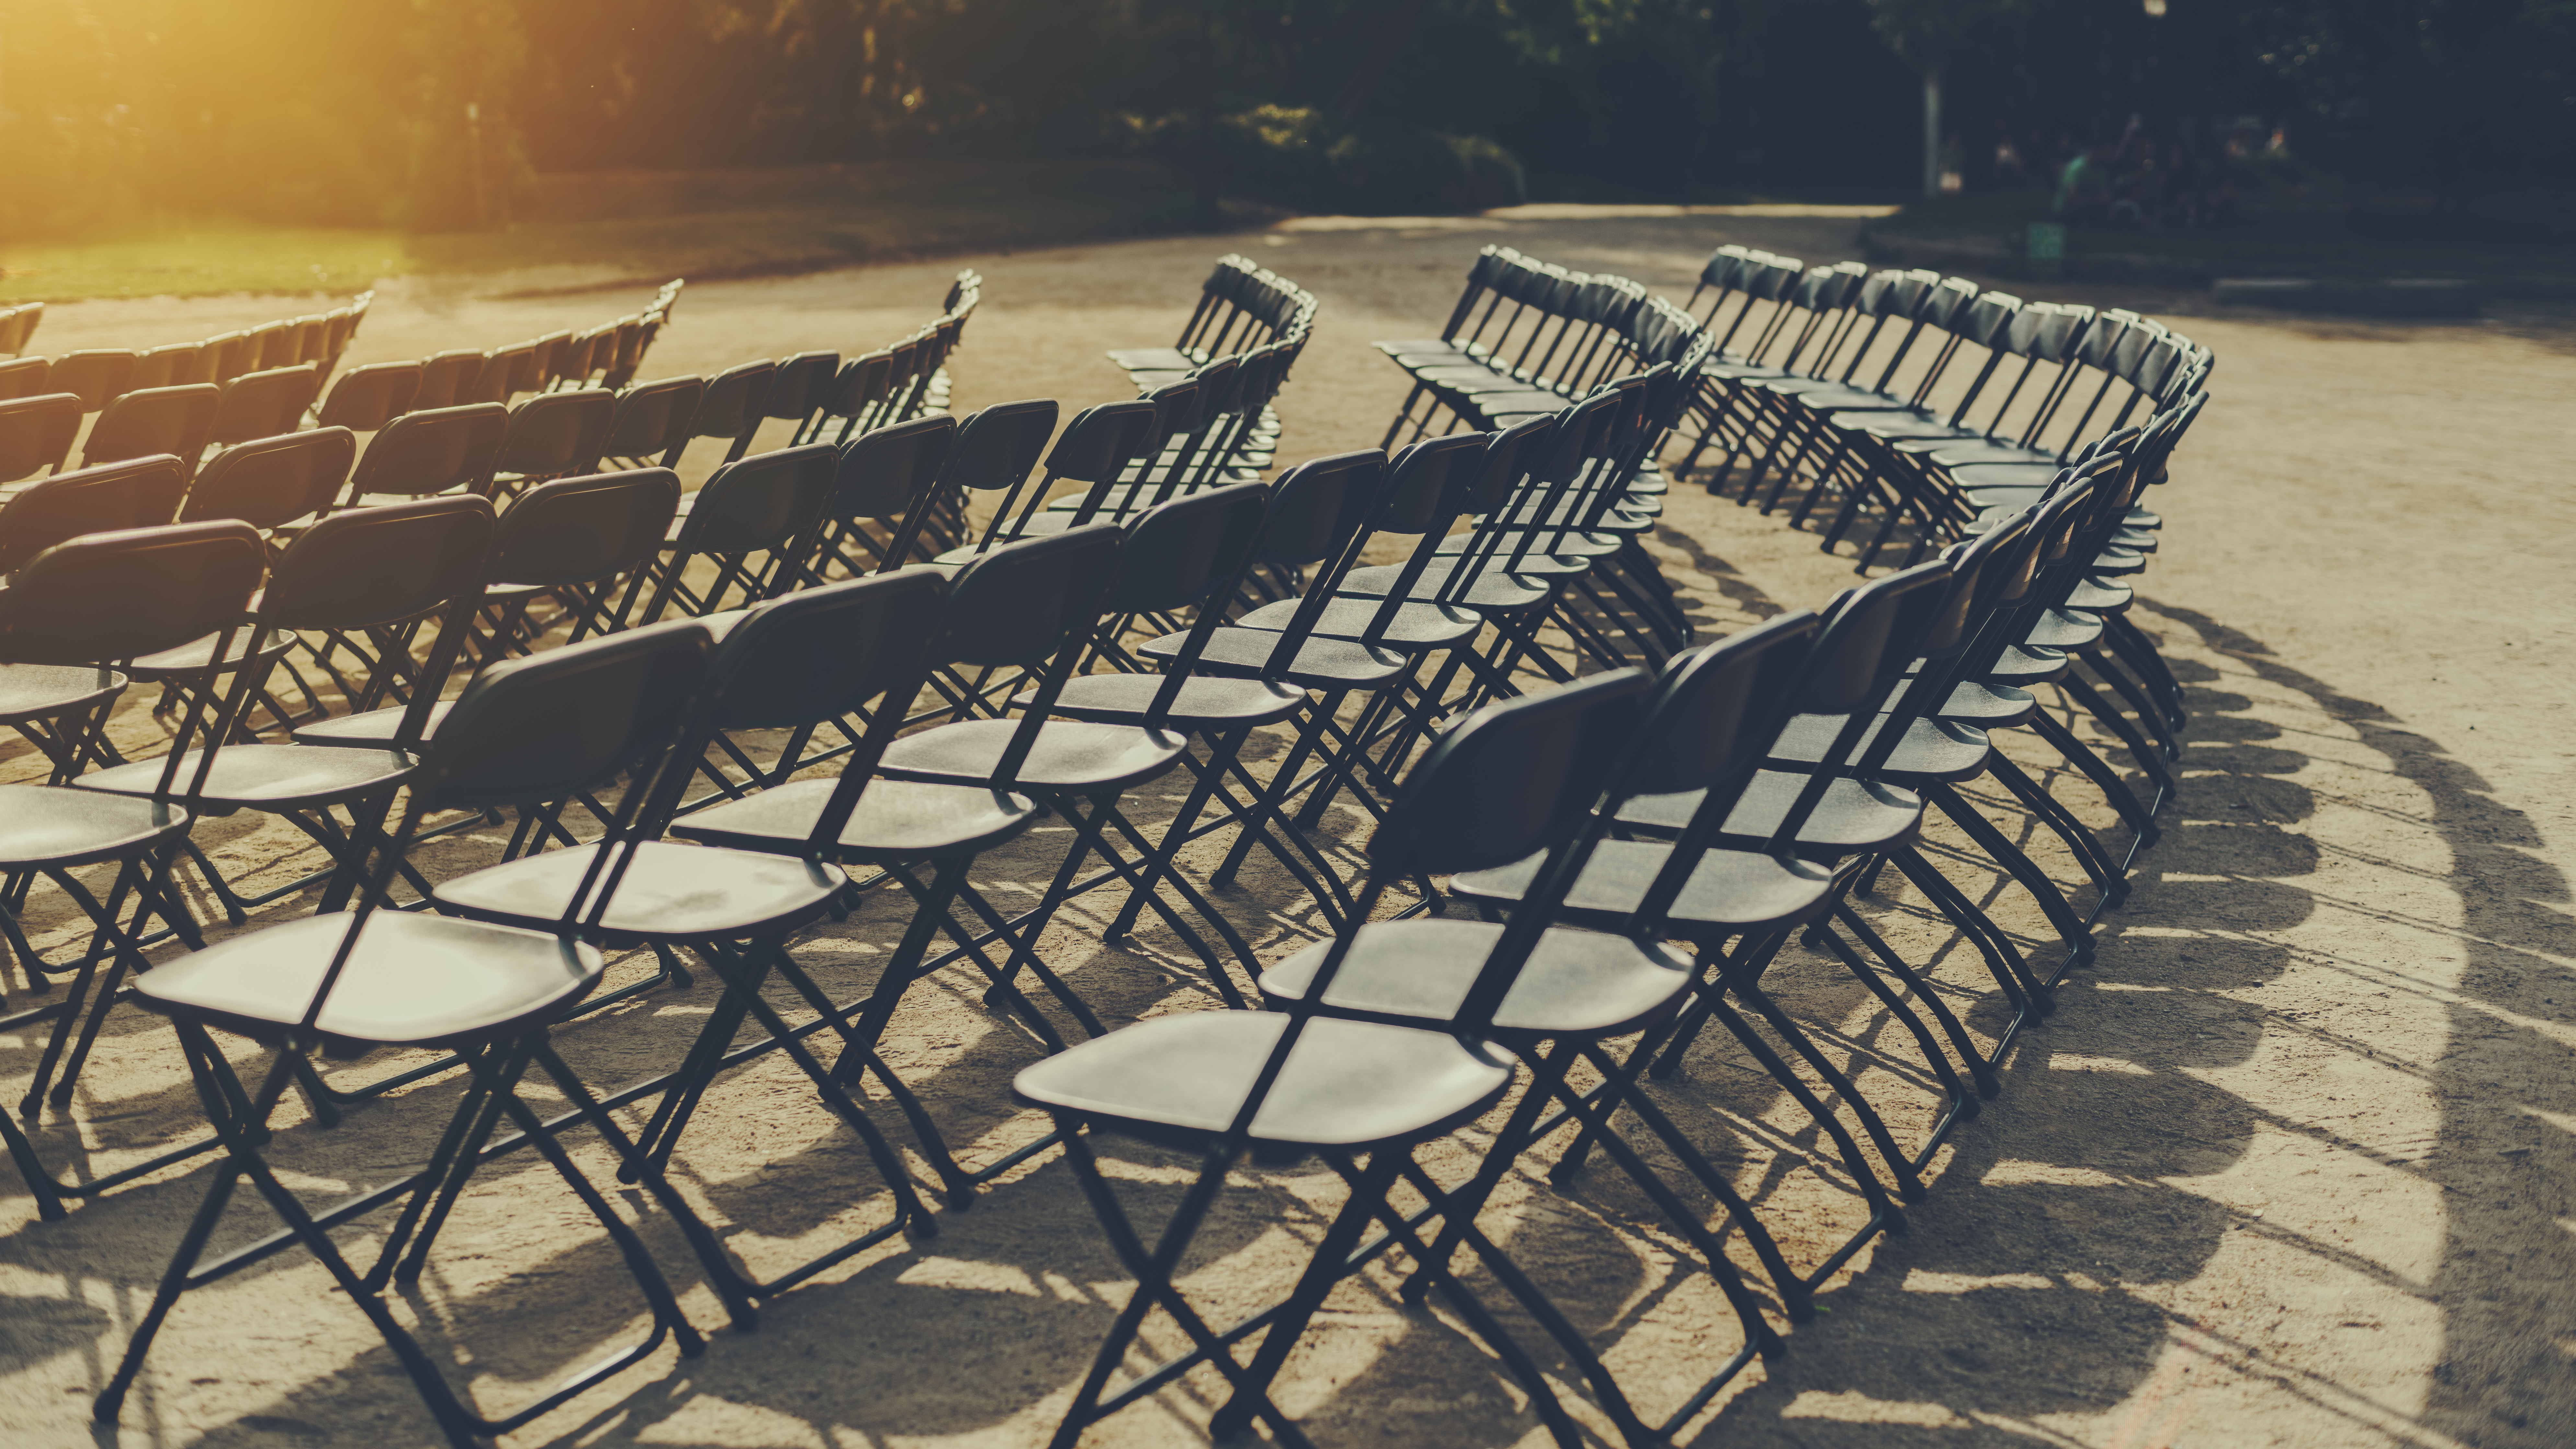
(711, 732)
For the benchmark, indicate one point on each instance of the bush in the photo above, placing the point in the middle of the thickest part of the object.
(1295, 157)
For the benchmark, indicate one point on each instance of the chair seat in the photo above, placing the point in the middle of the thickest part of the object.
(1890, 424)
(273, 777)
(41, 691)
(1206, 702)
(2025, 666)
(2031, 473)
(413, 979)
(1415, 626)
(1855, 815)
(198, 655)
(1931, 748)
(1492, 589)
(674, 892)
(2062, 629)
(2096, 596)
(1136, 359)
(1991, 452)
(1474, 379)
(1320, 662)
(1563, 545)
(1443, 345)
(58, 825)
(1344, 1084)
(1731, 889)
(1574, 981)
(1819, 395)
(373, 729)
(896, 820)
(1989, 706)
(1067, 755)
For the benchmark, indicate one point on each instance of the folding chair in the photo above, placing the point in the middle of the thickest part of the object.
(651, 425)
(24, 377)
(87, 600)
(447, 379)
(367, 398)
(271, 483)
(434, 450)
(36, 434)
(731, 408)
(146, 421)
(134, 493)
(94, 376)
(172, 366)
(1296, 1081)
(755, 520)
(348, 983)
(553, 435)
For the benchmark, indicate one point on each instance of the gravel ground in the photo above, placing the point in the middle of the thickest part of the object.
(2289, 1165)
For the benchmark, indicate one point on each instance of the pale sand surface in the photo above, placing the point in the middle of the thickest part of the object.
(2289, 1165)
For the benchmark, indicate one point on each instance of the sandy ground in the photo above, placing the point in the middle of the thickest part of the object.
(2290, 1165)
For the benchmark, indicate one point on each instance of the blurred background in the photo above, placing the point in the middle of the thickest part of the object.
(374, 124)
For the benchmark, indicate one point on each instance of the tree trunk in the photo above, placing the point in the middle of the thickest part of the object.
(1932, 130)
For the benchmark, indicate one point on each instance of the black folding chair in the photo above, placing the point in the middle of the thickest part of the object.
(173, 420)
(1304, 1080)
(349, 983)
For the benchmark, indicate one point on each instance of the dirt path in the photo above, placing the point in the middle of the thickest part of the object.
(2289, 1166)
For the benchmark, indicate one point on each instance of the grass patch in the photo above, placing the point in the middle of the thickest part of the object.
(646, 224)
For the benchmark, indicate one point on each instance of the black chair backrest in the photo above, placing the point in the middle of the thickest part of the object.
(887, 472)
(1425, 478)
(366, 566)
(446, 378)
(24, 376)
(265, 404)
(136, 493)
(997, 446)
(1511, 779)
(653, 418)
(563, 722)
(1316, 505)
(1716, 705)
(1019, 604)
(578, 530)
(95, 375)
(761, 502)
(36, 433)
(797, 388)
(271, 482)
(557, 432)
(111, 596)
(824, 652)
(434, 451)
(174, 420)
(367, 398)
(731, 405)
(1181, 552)
(1102, 440)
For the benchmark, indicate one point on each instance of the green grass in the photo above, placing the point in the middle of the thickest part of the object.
(643, 224)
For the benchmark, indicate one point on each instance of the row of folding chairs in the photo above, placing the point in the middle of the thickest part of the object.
(98, 376)
(18, 326)
(1863, 391)
(1586, 816)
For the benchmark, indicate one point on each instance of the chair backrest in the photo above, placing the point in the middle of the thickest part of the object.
(579, 530)
(446, 379)
(366, 566)
(764, 501)
(653, 418)
(271, 482)
(886, 473)
(502, 376)
(1185, 551)
(434, 451)
(1316, 506)
(1865, 641)
(997, 446)
(1425, 479)
(799, 384)
(265, 404)
(146, 421)
(168, 366)
(824, 652)
(731, 405)
(137, 493)
(557, 432)
(24, 377)
(1102, 440)
(563, 722)
(367, 398)
(112, 596)
(1021, 603)
(1511, 779)
(94, 375)
(1717, 706)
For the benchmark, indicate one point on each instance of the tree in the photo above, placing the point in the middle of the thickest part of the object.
(1925, 34)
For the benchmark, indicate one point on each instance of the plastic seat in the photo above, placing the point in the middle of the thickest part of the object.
(436, 450)
(265, 404)
(173, 420)
(36, 433)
